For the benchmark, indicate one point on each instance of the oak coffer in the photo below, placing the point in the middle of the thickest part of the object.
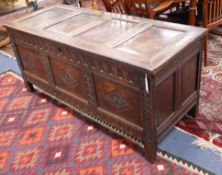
(134, 76)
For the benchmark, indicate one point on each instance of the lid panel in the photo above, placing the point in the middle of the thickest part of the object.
(72, 23)
(150, 41)
(45, 16)
(107, 31)
(143, 43)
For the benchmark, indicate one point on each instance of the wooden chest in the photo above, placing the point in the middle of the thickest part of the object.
(134, 76)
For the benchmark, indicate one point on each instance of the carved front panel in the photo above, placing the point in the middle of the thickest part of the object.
(32, 62)
(68, 78)
(119, 72)
(119, 100)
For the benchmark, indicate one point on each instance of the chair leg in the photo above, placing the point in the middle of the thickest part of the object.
(5, 40)
(206, 50)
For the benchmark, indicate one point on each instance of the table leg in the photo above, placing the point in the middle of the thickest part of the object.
(94, 4)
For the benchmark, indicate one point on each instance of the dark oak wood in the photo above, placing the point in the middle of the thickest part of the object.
(134, 76)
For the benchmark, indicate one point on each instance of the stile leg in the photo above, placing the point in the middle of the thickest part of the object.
(150, 152)
(193, 111)
(29, 86)
(149, 122)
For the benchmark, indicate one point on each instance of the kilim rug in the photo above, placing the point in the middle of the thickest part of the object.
(40, 136)
(208, 123)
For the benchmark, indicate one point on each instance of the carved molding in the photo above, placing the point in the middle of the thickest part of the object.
(90, 88)
(149, 122)
(75, 57)
(48, 70)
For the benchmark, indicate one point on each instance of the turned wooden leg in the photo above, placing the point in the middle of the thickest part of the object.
(193, 111)
(206, 50)
(29, 86)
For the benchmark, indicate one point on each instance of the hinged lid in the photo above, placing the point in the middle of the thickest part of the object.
(140, 42)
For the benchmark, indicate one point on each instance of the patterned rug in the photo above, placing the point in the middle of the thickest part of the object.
(40, 136)
(208, 123)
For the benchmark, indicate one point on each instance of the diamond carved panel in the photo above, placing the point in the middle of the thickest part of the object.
(30, 64)
(117, 100)
(68, 79)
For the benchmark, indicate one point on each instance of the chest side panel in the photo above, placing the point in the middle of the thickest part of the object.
(32, 62)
